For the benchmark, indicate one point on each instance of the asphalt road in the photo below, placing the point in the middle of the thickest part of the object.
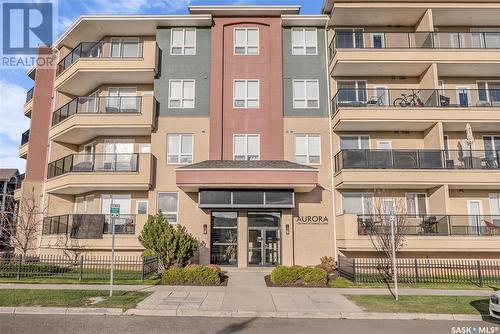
(55, 324)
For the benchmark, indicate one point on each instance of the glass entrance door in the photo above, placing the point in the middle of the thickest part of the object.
(264, 238)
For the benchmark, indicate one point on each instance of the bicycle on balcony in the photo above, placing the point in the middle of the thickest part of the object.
(409, 100)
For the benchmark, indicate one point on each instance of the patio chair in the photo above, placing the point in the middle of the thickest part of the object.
(492, 228)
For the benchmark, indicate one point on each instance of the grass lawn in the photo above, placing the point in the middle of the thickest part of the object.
(70, 298)
(422, 304)
(342, 282)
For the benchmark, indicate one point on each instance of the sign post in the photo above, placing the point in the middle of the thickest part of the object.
(114, 210)
(393, 243)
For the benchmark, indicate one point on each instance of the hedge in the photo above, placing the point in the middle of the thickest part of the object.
(283, 275)
(36, 267)
(191, 275)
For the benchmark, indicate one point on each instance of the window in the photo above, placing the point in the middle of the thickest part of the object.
(489, 92)
(384, 145)
(142, 207)
(168, 204)
(357, 203)
(381, 97)
(351, 92)
(304, 41)
(122, 99)
(179, 149)
(416, 204)
(181, 94)
(246, 41)
(183, 41)
(124, 47)
(144, 148)
(491, 150)
(349, 38)
(79, 205)
(246, 94)
(308, 149)
(89, 204)
(246, 147)
(354, 142)
(378, 40)
(305, 94)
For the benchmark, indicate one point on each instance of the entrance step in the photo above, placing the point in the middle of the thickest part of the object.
(248, 269)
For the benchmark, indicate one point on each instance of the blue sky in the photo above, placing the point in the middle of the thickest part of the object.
(14, 83)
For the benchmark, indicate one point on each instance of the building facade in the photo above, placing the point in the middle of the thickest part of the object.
(9, 180)
(274, 137)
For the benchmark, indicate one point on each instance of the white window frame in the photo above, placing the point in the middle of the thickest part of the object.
(381, 34)
(183, 43)
(246, 154)
(180, 154)
(385, 98)
(246, 93)
(245, 45)
(83, 205)
(363, 196)
(417, 208)
(487, 88)
(120, 41)
(144, 148)
(176, 213)
(359, 140)
(384, 141)
(182, 98)
(462, 89)
(307, 135)
(356, 89)
(304, 46)
(305, 93)
(137, 202)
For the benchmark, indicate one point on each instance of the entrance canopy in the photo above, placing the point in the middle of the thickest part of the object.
(258, 174)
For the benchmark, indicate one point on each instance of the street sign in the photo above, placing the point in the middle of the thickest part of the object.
(114, 210)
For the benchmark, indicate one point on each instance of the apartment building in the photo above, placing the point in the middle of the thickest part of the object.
(415, 89)
(220, 119)
(9, 179)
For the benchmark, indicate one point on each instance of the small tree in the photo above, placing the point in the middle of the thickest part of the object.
(174, 246)
(380, 226)
(23, 230)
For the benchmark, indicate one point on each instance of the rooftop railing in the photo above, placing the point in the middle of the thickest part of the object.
(126, 48)
(25, 137)
(415, 98)
(416, 159)
(358, 39)
(29, 94)
(89, 163)
(74, 224)
(98, 105)
(431, 225)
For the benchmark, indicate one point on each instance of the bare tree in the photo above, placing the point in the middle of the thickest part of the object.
(22, 230)
(71, 248)
(378, 225)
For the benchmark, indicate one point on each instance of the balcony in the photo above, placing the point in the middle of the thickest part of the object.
(92, 64)
(432, 225)
(358, 53)
(28, 105)
(77, 173)
(416, 159)
(84, 118)
(424, 233)
(23, 148)
(18, 188)
(423, 169)
(92, 225)
(415, 109)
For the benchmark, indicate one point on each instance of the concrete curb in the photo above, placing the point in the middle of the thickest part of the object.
(239, 314)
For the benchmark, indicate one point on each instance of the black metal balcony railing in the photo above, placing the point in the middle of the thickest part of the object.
(100, 49)
(63, 224)
(20, 180)
(415, 98)
(128, 162)
(29, 94)
(25, 137)
(416, 159)
(357, 39)
(432, 225)
(98, 105)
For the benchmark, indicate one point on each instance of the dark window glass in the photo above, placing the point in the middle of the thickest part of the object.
(215, 197)
(224, 219)
(224, 239)
(276, 197)
(264, 219)
(248, 197)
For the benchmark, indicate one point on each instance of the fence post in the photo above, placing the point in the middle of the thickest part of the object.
(417, 278)
(142, 268)
(81, 268)
(354, 270)
(20, 259)
(479, 273)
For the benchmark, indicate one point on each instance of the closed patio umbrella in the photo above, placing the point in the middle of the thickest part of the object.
(469, 134)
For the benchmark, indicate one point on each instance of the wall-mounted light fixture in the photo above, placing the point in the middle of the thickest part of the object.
(205, 229)
(287, 229)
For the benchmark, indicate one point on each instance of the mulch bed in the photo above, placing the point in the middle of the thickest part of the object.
(267, 278)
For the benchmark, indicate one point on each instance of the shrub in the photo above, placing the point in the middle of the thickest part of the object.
(147, 252)
(328, 264)
(191, 275)
(174, 246)
(314, 276)
(31, 267)
(283, 275)
(214, 267)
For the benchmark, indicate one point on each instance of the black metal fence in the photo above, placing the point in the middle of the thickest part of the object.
(421, 271)
(78, 267)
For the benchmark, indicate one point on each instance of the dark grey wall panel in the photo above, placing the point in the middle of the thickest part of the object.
(195, 67)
